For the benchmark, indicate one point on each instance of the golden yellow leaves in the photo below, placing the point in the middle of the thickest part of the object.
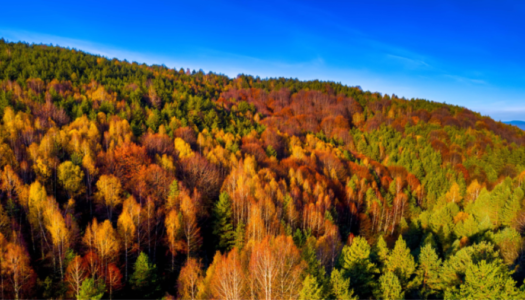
(183, 148)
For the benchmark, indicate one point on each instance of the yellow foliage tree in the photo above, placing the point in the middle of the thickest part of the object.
(183, 148)
(109, 189)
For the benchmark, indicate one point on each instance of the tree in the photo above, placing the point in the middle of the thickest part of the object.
(113, 279)
(401, 262)
(189, 278)
(223, 227)
(144, 277)
(311, 289)
(428, 271)
(228, 277)
(76, 272)
(487, 281)
(103, 238)
(92, 289)
(340, 287)
(356, 263)
(3, 271)
(10, 183)
(389, 287)
(109, 189)
(127, 231)
(20, 274)
(71, 177)
(174, 235)
(275, 268)
(36, 206)
(190, 226)
(56, 225)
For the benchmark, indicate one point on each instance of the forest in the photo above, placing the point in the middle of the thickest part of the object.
(122, 180)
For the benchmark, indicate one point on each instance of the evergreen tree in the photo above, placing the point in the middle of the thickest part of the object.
(401, 262)
(91, 289)
(314, 269)
(427, 273)
(144, 277)
(487, 281)
(389, 287)
(311, 289)
(340, 287)
(239, 236)
(381, 252)
(356, 263)
(223, 228)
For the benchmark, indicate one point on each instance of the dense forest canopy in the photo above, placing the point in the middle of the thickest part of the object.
(121, 180)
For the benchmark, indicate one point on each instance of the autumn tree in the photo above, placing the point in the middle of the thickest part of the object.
(113, 279)
(190, 225)
(109, 190)
(189, 278)
(228, 280)
(174, 234)
(71, 177)
(127, 231)
(56, 226)
(76, 272)
(275, 268)
(18, 270)
(102, 238)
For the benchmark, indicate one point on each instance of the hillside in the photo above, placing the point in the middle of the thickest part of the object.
(120, 179)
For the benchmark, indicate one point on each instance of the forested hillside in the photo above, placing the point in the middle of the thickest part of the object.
(121, 180)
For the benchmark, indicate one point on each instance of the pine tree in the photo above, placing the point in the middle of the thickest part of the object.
(340, 287)
(401, 262)
(427, 273)
(355, 260)
(381, 252)
(91, 289)
(223, 227)
(239, 236)
(314, 267)
(144, 277)
(389, 287)
(487, 281)
(311, 289)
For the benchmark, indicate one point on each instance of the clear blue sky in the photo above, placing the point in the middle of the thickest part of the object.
(469, 53)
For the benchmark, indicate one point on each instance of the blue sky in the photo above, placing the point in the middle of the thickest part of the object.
(468, 53)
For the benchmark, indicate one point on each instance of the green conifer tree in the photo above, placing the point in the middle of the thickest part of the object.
(311, 289)
(427, 273)
(223, 228)
(91, 289)
(314, 267)
(381, 252)
(389, 287)
(401, 262)
(340, 287)
(239, 236)
(356, 263)
(487, 281)
(144, 277)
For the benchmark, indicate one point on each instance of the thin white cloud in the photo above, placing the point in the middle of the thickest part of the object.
(409, 62)
(462, 79)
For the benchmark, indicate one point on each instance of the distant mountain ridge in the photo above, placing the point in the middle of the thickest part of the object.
(519, 124)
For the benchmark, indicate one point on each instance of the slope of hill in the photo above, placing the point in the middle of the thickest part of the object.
(519, 124)
(120, 179)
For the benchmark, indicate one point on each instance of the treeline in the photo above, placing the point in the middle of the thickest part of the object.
(121, 180)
